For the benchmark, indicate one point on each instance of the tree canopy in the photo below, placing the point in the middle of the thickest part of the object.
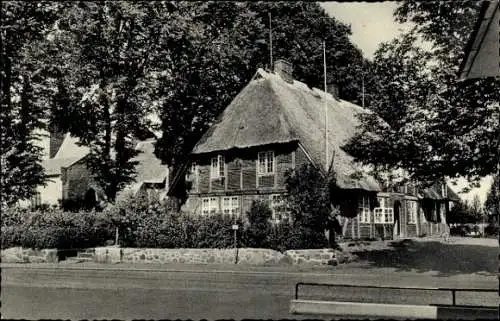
(229, 41)
(439, 127)
(24, 95)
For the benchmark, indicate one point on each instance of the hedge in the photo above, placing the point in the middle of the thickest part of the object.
(144, 225)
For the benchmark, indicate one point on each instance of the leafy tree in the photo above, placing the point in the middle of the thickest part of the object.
(24, 26)
(442, 127)
(221, 49)
(476, 210)
(492, 203)
(105, 53)
(207, 67)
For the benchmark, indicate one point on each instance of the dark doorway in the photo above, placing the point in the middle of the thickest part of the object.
(90, 200)
(397, 218)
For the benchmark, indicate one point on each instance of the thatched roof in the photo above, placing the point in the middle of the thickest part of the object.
(434, 192)
(270, 110)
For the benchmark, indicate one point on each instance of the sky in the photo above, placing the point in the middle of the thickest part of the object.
(371, 23)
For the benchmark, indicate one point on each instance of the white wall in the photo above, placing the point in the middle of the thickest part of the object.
(51, 193)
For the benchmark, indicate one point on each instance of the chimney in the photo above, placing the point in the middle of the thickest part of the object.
(55, 141)
(333, 89)
(284, 69)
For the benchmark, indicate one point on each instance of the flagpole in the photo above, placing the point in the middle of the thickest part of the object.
(270, 42)
(326, 107)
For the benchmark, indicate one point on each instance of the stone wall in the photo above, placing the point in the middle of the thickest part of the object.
(20, 255)
(245, 256)
(189, 256)
(320, 257)
(316, 257)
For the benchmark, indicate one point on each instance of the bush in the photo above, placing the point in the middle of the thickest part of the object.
(491, 230)
(159, 231)
(258, 230)
(147, 224)
(53, 229)
(214, 231)
(309, 197)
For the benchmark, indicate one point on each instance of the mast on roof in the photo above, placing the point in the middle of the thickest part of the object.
(326, 106)
(270, 42)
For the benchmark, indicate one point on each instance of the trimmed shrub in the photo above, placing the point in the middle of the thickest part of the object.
(309, 201)
(53, 229)
(214, 231)
(258, 230)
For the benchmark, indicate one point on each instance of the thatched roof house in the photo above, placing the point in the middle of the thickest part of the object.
(276, 124)
(271, 110)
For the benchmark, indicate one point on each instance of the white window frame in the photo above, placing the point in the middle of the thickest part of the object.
(192, 172)
(364, 209)
(266, 163)
(278, 201)
(231, 205)
(209, 205)
(444, 190)
(383, 214)
(411, 210)
(217, 167)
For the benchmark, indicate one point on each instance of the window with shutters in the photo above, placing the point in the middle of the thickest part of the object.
(217, 168)
(266, 163)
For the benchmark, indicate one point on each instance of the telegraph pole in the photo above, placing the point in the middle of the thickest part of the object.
(326, 107)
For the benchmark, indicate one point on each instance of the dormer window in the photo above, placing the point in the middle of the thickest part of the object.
(217, 169)
(266, 163)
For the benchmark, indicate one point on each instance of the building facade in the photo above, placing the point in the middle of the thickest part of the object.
(277, 124)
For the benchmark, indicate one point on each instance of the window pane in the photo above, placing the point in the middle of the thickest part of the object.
(214, 169)
(261, 163)
(270, 162)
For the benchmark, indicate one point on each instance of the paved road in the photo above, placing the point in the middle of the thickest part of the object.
(197, 292)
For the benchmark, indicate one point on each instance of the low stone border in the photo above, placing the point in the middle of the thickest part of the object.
(190, 256)
(320, 257)
(244, 256)
(21, 255)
